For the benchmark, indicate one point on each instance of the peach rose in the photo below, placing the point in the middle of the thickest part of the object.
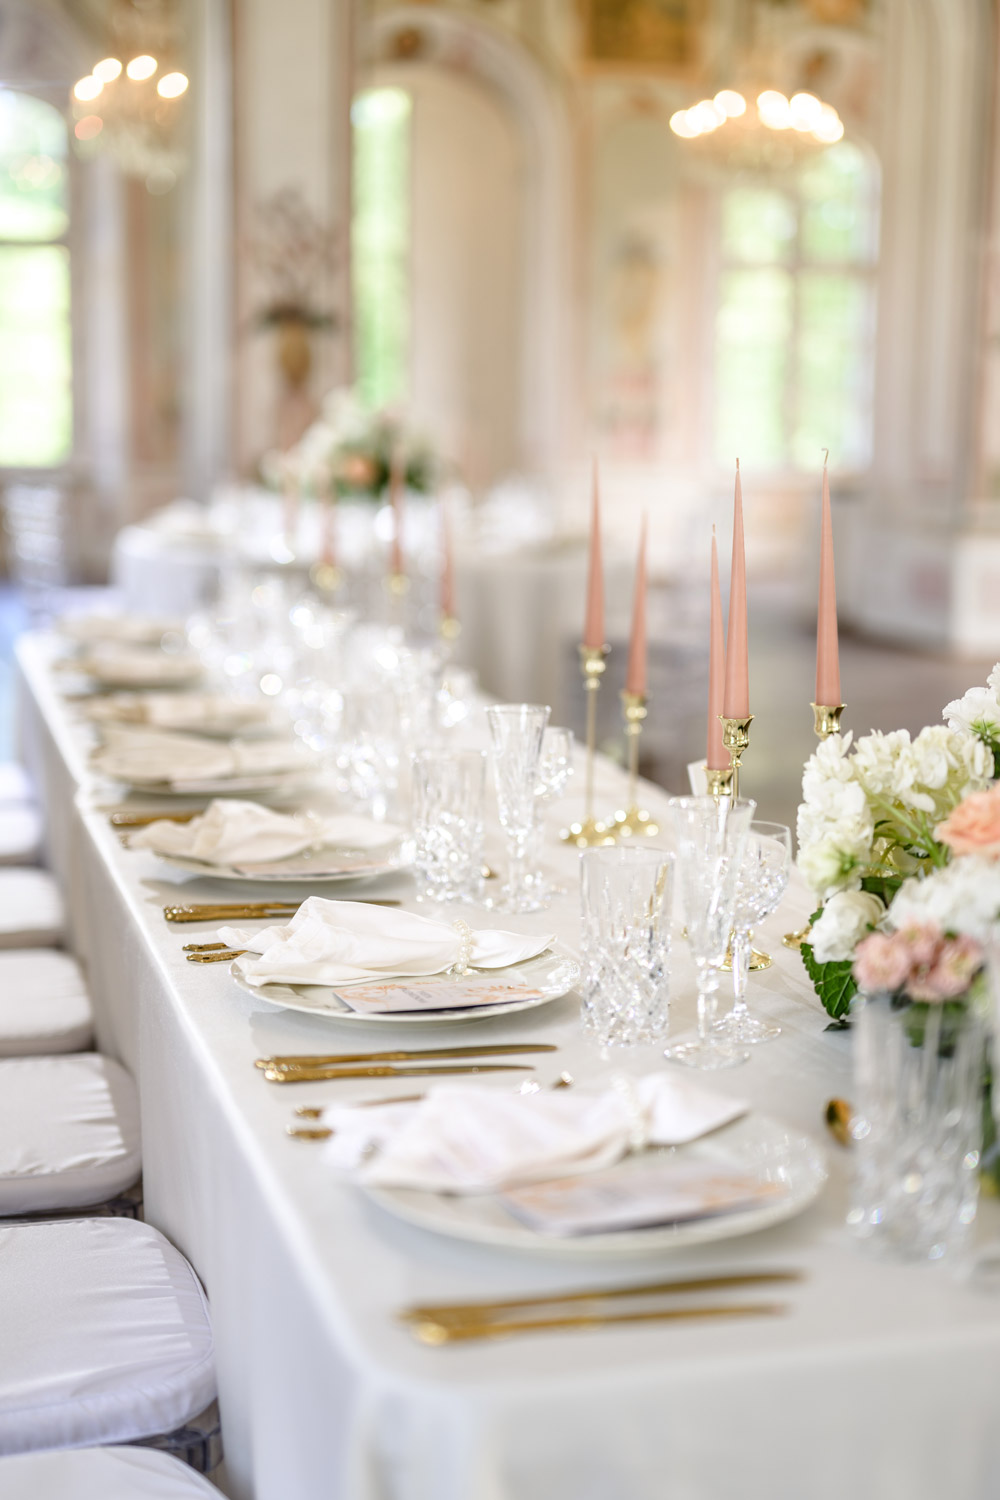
(957, 964)
(973, 827)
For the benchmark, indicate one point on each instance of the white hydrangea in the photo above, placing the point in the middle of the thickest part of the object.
(836, 860)
(979, 711)
(845, 920)
(940, 760)
(964, 897)
(876, 761)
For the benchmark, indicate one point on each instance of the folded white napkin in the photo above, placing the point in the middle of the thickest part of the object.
(349, 942)
(138, 664)
(141, 755)
(236, 832)
(464, 1138)
(133, 630)
(199, 713)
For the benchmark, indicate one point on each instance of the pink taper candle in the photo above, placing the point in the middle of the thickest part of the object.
(716, 754)
(736, 699)
(447, 569)
(635, 676)
(593, 629)
(396, 566)
(827, 646)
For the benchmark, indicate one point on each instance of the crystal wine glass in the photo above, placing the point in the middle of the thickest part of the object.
(709, 838)
(516, 730)
(555, 767)
(762, 883)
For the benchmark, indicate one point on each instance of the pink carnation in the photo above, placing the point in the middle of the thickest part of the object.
(882, 962)
(973, 827)
(958, 961)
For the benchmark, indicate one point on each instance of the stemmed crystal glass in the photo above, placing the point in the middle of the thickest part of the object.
(516, 730)
(762, 883)
(555, 767)
(709, 838)
(625, 906)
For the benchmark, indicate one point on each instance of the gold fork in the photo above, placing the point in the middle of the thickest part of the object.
(432, 1331)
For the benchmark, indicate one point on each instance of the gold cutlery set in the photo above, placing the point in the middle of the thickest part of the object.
(594, 1307)
(398, 1063)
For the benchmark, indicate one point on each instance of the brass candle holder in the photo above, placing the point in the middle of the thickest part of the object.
(736, 738)
(634, 821)
(719, 781)
(591, 832)
(826, 721)
(449, 629)
(326, 576)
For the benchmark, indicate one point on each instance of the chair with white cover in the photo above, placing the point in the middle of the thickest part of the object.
(101, 1474)
(106, 1336)
(20, 834)
(32, 914)
(15, 784)
(44, 1005)
(69, 1133)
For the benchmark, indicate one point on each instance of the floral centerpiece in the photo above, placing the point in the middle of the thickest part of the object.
(356, 450)
(886, 829)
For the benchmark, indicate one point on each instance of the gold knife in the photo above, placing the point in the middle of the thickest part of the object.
(125, 819)
(431, 1331)
(447, 1310)
(261, 909)
(216, 958)
(319, 1075)
(292, 1062)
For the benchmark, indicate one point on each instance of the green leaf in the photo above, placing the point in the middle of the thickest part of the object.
(834, 983)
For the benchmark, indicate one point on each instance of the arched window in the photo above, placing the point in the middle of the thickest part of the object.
(795, 326)
(36, 402)
(380, 243)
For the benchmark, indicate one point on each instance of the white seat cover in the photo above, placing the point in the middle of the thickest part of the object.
(44, 1005)
(20, 834)
(105, 1335)
(69, 1132)
(101, 1474)
(31, 909)
(15, 785)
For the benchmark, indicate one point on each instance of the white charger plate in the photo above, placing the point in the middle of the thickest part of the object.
(552, 974)
(272, 782)
(778, 1154)
(378, 862)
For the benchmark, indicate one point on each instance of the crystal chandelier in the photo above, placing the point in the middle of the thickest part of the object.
(130, 103)
(806, 116)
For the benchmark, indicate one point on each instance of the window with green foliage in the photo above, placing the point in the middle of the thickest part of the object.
(795, 327)
(380, 243)
(36, 400)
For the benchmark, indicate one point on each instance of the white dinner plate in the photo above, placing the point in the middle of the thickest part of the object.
(550, 976)
(314, 867)
(777, 1153)
(271, 783)
(162, 672)
(127, 709)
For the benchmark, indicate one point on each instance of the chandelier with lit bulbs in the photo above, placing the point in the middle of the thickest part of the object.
(803, 117)
(130, 103)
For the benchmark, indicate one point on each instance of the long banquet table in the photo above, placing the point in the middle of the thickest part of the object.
(881, 1382)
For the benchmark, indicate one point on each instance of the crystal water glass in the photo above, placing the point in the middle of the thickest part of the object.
(555, 767)
(626, 896)
(709, 842)
(763, 880)
(917, 1126)
(516, 730)
(448, 790)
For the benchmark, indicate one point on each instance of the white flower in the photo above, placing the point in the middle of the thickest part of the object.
(845, 920)
(876, 760)
(979, 710)
(830, 865)
(964, 897)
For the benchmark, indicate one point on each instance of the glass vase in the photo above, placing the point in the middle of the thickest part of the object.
(916, 1126)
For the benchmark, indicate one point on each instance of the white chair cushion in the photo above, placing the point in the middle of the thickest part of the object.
(44, 1006)
(15, 785)
(69, 1132)
(20, 834)
(101, 1474)
(31, 909)
(106, 1335)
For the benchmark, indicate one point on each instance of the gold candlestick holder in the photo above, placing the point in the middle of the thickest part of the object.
(591, 832)
(449, 629)
(719, 781)
(327, 577)
(634, 821)
(736, 738)
(826, 721)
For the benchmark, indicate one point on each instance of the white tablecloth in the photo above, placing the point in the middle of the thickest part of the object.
(880, 1383)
